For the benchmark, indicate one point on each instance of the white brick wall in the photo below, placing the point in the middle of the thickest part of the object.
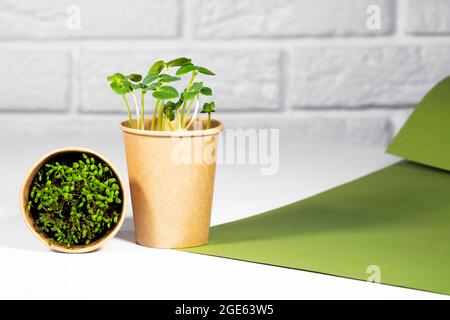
(312, 68)
(365, 76)
(287, 18)
(44, 19)
(428, 17)
(34, 81)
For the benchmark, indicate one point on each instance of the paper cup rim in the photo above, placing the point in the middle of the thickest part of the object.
(29, 221)
(217, 127)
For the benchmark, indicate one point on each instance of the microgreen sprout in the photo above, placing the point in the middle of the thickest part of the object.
(75, 202)
(208, 108)
(176, 110)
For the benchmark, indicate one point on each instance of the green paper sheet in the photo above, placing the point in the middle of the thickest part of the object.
(425, 137)
(396, 220)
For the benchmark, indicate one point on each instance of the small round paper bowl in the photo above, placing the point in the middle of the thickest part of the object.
(30, 222)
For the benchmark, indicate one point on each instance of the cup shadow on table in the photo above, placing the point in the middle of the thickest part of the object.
(386, 200)
(391, 199)
(127, 233)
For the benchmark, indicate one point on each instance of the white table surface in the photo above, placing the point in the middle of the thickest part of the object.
(124, 270)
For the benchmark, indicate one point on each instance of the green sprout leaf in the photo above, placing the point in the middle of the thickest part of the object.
(136, 86)
(135, 77)
(168, 78)
(205, 71)
(154, 85)
(209, 107)
(150, 77)
(193, 91)
(116, 77)
(206, 91)
(178, 62)
(157, 67)
(165, 93)
(120, 84)
(188, 95)
(196, 87)
(186, 68)
(169, 110)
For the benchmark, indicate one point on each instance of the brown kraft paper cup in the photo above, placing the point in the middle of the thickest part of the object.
(171, 175)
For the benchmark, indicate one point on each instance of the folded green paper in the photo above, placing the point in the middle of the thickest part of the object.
(425, 137)
(395, 222)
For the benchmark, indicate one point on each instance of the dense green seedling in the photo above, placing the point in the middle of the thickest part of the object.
(75, 202)
(171, 107)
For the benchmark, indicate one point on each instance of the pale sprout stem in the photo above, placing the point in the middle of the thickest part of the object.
(183, 110)
(170, 125)
(130, 118)
(179, 120)
(188, 110)
(138, 114)
(197, 104)
(154, 115)
(143, 110)
(160, 116)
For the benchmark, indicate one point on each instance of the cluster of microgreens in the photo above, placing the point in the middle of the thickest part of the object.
(75, 202)
(171, 108)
